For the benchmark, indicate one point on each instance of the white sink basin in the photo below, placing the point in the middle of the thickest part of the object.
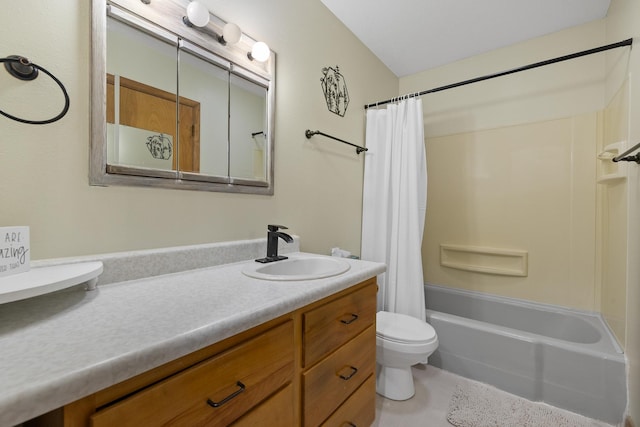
(297, 268)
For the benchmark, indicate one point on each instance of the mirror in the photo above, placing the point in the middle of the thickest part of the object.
(182, 110)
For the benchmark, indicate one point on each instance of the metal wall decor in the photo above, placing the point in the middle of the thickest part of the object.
(335, 90)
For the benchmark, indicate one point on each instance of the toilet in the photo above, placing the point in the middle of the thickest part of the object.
(401, 342)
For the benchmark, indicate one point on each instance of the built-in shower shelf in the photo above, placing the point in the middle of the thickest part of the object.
(610, 171)
(43, 280)
(503, 262)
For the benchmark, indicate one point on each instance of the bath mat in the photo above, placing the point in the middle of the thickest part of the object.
(479, 405)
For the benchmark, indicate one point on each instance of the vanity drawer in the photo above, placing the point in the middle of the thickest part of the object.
(277, 411)
(235, 381)
(332, 381)
(333, 324)
(359, 410)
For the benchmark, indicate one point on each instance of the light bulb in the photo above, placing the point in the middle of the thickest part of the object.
(198, 14)
(231, 33)
(260, 52)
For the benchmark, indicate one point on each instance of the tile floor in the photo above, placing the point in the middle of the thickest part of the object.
(434, 388)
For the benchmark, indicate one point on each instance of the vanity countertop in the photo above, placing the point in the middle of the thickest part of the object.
(57, 348)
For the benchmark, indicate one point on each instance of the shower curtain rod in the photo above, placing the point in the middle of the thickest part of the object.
(627, 42)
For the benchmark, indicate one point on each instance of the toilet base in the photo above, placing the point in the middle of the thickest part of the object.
(394, 383)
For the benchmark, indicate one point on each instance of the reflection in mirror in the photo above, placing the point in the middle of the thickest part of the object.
(204, 77)
(181, 110)
(141, 117)
(248, 124)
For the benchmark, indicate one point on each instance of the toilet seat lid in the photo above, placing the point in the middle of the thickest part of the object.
(402, 328)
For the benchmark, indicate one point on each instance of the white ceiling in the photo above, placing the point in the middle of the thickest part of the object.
(410, 36)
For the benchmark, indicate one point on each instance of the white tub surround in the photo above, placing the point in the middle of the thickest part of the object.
(57, 348)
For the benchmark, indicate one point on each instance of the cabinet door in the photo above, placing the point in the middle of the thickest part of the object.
(333, 324)
(215, 392)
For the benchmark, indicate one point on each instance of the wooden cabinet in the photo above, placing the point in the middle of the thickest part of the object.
(314, 366)
(339, 354)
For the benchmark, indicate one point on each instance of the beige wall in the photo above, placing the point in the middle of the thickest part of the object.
(318, 182)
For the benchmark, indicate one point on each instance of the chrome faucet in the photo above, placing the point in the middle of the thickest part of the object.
(272, 243)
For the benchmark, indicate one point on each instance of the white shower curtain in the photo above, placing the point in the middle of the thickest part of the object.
(394, 204)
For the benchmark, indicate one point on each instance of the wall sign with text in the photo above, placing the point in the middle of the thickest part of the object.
(14, 250)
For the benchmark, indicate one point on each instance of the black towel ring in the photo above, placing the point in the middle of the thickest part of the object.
(23, 69)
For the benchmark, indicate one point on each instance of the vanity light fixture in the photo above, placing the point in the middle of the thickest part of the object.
(259, 52)
(198, 17)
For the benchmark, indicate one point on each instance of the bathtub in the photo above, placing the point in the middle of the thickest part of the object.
(566, 358)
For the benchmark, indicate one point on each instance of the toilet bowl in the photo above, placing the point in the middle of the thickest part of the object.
(401, 342)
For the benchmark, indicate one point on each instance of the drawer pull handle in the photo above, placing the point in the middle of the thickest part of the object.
(353, 318)
(351, 374)
(349, 424)
(228, 398)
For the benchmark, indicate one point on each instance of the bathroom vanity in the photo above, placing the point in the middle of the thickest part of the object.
(208, 346)
(314, 366)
